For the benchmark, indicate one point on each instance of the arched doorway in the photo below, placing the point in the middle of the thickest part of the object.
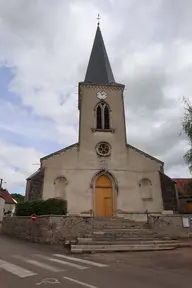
(103, 197)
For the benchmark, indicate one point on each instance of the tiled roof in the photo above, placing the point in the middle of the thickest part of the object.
(180, 183)
(7, 197)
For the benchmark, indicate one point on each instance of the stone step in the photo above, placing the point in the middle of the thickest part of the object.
(129, 248)
(132, 239)
(119, 220)
(128, 240)
(125, 230)
(92, 241)
(118, 223)
(96, 227)
(118, 248)
(112, 219)
(115, 219)
(104, 238)
(115, 237)
(115, 234)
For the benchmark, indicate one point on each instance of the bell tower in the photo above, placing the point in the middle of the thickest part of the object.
(101, 103)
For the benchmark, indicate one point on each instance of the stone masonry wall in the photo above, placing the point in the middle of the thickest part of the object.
(170, 225)
(57, 229)
(46, 229)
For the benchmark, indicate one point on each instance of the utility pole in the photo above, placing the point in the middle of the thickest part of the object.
(1, 182)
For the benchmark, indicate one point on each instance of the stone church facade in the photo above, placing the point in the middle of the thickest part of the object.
(101, 175)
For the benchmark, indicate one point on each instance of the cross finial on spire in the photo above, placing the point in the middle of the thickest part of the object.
(98, 18)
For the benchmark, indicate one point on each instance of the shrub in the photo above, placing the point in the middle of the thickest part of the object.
(42, 207)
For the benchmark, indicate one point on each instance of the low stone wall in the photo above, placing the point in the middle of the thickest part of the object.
(58, 229)
(47, 229)
(170, 225)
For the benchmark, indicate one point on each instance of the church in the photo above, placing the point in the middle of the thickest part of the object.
(102, 175)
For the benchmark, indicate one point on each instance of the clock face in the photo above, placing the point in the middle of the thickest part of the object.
(102, 95)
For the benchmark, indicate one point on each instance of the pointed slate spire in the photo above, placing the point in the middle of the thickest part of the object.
(99, 69)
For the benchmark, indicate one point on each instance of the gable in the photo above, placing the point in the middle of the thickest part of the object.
(145, 154)
(59, 151)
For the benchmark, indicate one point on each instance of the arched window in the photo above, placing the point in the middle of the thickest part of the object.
(103, 117)
(99, 118)
(106, 117)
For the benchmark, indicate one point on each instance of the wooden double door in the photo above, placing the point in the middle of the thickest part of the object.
(103, 197)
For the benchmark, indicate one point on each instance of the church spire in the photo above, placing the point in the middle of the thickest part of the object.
(99, 69)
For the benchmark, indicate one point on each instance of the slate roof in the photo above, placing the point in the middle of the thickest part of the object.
(35, 173)
(99, 69)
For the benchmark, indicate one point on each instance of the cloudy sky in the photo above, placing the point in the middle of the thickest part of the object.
(44, 50)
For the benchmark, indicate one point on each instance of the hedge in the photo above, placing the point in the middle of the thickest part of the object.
(42, 207)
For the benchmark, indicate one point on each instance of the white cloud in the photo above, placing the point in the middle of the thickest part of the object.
(47, 45)
(16, 163)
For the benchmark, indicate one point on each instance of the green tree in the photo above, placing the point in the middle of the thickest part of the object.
(18, 197)
(187, 128)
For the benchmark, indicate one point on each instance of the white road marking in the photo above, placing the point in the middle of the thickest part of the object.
(80, 283)
(81, 260)
(63, 262)
(38, 264)
(48, 281)
(16, 270)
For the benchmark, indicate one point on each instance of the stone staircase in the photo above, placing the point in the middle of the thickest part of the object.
(116, 234)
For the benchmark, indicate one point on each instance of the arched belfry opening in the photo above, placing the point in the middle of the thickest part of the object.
(102, 116)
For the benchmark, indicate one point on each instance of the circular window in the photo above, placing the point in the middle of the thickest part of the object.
(103, 149)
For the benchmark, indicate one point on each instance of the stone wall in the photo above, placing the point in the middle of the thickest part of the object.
(47, 229)
(170, 225)
(58, 229)
(2, 204)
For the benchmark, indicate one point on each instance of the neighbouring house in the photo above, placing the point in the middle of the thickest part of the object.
(10, 203)
(2, 204)
(103, 174)
(185, 200)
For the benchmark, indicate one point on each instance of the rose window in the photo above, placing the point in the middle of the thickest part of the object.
(103, 149)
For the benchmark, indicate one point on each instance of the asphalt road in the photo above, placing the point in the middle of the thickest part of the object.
(31, 265)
